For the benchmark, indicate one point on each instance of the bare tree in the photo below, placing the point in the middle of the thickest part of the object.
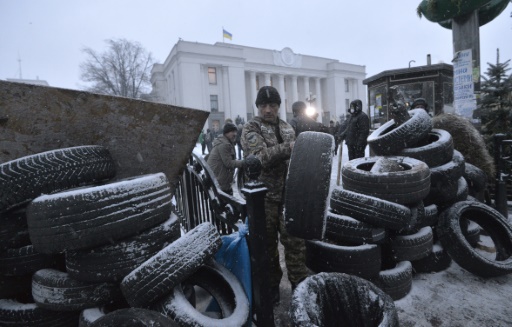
(123, 69)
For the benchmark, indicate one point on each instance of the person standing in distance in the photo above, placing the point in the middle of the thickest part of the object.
(302, 122)
(358, 129)
(222, 158)
(271, 140)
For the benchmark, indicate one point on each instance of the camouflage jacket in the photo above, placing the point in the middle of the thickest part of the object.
(259, 138)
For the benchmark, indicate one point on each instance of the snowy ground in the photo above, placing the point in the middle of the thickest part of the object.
(451, 298)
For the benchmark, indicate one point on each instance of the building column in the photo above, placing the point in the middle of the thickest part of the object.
(305, 80)
(295, 95)
(280, 89)
(253, 92)
(267, 79)
(225, 94)
(319, 98)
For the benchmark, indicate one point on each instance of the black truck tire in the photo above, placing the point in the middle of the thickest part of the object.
(88, 217)
(173, 264)
(26, 178)
(307, 185)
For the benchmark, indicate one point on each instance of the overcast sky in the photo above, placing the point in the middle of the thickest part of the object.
(49, 35)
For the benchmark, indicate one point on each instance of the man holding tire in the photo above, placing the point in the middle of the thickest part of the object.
(271, 140)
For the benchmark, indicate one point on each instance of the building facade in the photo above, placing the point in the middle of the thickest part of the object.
(224, 79)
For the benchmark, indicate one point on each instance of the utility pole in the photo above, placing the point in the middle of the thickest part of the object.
(19, 66)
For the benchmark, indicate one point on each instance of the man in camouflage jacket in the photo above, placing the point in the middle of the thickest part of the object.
(271, 140)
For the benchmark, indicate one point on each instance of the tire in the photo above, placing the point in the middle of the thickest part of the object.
(363, 260)
(471, 231)
(134, 317)
(111, 263)
(26, 261)
(391, 140)
(412, 247)
(161, 273)
(417, 218)
(14, 313)
(55, 290)
(475, 177)
(88, 217)
(438, 260)
(371, 210)
(408, 186)
(336, 299)
(492, 222)
(340, 228)
(449, 172)
(449, 193)
(307, 185)
(26, 178)
(435, 150)
(430, 218)
(396, 282)
(224, 287)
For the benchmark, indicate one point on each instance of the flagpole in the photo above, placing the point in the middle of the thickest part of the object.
(223, 34)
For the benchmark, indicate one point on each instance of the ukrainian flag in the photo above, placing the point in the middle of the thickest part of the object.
(226, 34)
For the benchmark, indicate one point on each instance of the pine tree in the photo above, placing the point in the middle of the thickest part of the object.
(497, 100)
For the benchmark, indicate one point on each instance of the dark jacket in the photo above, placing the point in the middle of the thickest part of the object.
(222, 162)
(358, 129)
(303, 123)
(259, 138)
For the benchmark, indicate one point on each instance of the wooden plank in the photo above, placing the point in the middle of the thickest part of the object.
(143, 137)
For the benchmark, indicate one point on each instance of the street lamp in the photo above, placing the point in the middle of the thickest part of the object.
(410, 62)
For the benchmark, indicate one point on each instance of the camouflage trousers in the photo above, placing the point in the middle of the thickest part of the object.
(294, 248)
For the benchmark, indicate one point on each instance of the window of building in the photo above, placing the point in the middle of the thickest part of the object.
(214, 103)
(212, 75)
(346, 85)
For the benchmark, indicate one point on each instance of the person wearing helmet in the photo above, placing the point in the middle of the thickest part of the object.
(358, 128)
(271, 140)
(302, 122)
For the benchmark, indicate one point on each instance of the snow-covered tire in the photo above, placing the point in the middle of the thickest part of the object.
(438, 260)
(389, 139)
(222, 285)
(409, 185)
(26, 178)
(475, 177)
(133, 317)
(87, 217)
(340, 228)
(412, 247)
(161, 273)
(397, 281)
(335, 299)
(26, 261)
(307, 185)
(55, 290)
(371, 210)
(448, 193)
(435, 150)
(450, 172)
(111, 263)
(361, 260)
(16, 314)
(471, 231)
(492, 222)
(430, 216)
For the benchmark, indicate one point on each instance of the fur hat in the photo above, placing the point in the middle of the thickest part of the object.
(268, 94)
(419, 101)
(229, 127)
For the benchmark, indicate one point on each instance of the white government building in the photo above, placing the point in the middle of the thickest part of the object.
(224, 79)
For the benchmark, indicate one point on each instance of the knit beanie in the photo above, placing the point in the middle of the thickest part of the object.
(268, 94)
(228, 127)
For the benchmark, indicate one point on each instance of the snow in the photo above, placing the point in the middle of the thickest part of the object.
(450, 298)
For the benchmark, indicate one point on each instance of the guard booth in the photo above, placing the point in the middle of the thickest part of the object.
(434, 83)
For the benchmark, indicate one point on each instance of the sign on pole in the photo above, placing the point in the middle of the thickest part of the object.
(463, 87)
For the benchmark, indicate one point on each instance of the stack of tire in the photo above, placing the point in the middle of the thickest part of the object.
(399, 212)
(79, 249)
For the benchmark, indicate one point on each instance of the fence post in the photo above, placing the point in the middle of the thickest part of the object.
(254, 192)
(500, 196)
